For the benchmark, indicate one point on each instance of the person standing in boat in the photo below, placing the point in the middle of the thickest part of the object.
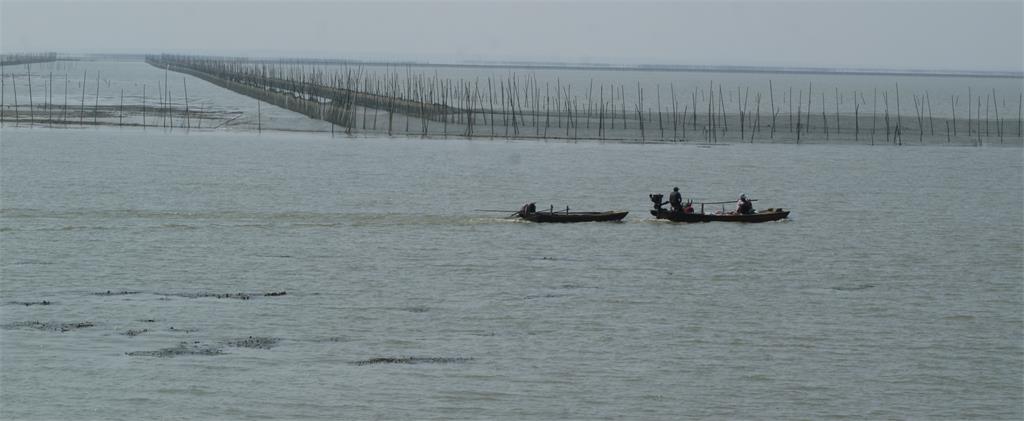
(744, 205)
(675, 199)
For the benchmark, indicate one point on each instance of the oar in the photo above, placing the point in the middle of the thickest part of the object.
(492, 210)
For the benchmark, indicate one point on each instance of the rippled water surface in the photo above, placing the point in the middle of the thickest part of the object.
(198, 276)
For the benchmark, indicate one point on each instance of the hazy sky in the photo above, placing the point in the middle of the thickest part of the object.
(946, 35)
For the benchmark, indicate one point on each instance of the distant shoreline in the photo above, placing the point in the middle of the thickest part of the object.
(614, 67)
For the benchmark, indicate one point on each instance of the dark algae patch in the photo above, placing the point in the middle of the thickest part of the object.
(227, 295)
(49, 326)
(31, 303)
(413, 360)
(109, 292)
(182, 349)
(256, 342)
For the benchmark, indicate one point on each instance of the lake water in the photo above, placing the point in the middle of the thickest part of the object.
(894, 290)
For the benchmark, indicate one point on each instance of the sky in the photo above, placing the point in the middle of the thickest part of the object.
(895, 34)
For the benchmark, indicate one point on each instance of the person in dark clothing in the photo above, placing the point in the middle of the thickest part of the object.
(527, 209)
(744, 206)
(676, 200)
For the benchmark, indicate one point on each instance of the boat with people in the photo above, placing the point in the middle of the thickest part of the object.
(744, 212)
(529, 212)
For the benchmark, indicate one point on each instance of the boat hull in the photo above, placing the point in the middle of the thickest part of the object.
(565, 217)
(707, 217)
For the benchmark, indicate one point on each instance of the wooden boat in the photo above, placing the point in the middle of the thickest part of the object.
(564, 216)
(529, 212)
(766, 216)
(770, 214)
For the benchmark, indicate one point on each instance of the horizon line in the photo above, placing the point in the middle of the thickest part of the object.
(542, 64)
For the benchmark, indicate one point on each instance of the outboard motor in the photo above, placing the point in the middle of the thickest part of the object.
(656, 198)
(527, 209)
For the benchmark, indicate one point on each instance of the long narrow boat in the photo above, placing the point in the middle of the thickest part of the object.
(768, 215)
(529, 212)
(563, 216)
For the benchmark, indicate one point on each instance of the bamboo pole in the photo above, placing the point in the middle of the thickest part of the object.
(17, 112)
(931, 122)
(3, 91)
(661, 128)
(837, 111)
(188, 122)
(970, 112)
(167, 100)
(952, 104)
(721, 104)
(740, 107)
(987, 132)
(96, 107)
(807, 125)
(611, 106)
(711, 113)
(693, 96)
(65, 118)
(49, 102)
(757, 118)
(81, 113)
(31, 107)
(798, 110)
(978, 131)
(824, 118)
(590, 94)
(856, 118)
(920, 118)
(995, 107)
(771, 97)
(885, 97)
(675, 113)
(874, 114)
(622, 97)
(899, 118)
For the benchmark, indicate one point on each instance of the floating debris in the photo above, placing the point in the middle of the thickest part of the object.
(226, 295)
(134, 332)
(32, 303)
(332, 339)
(416, 309)
(147, 320)
(116, 293)
(413, 360)
(853, 287)
(259, 342)
(184, 348)
(52, 326)
(533, 297)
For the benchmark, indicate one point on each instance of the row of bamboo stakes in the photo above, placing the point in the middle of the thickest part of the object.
(28, 58)
(53, 114)
(516, 106)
